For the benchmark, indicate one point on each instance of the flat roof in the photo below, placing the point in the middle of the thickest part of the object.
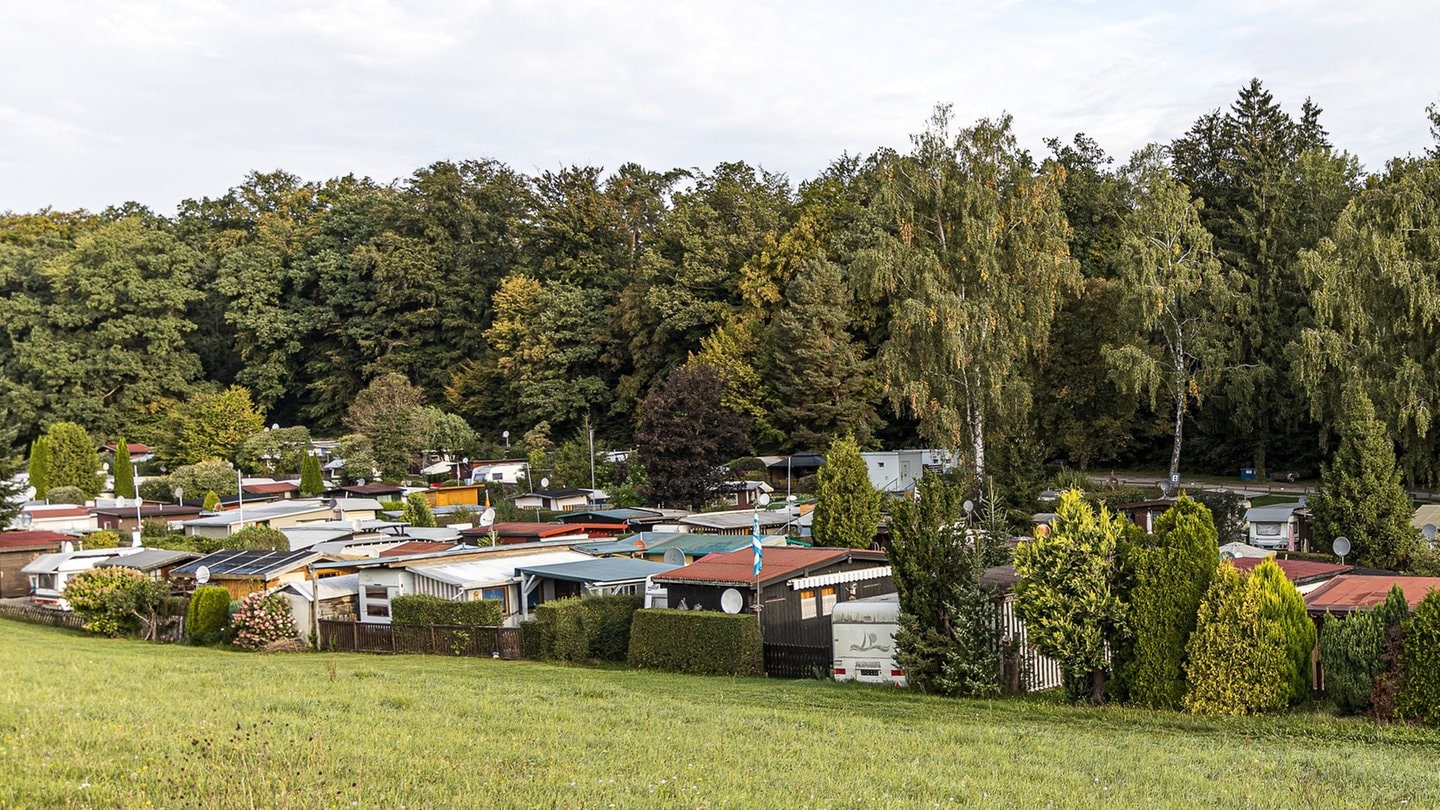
(1350, 592)
(598, 570)
(242, 564)
(737, 567)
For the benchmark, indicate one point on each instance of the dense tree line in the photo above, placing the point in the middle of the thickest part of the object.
(1227, 287)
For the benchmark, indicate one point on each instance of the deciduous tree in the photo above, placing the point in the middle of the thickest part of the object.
(684, 435)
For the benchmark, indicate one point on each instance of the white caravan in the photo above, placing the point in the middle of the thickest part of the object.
(864, 640)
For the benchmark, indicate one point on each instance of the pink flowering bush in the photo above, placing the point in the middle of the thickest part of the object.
(261, 619)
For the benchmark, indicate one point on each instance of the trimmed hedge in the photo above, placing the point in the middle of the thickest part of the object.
(697, 642)
(435, 610)
(208, 613)
(580, 630)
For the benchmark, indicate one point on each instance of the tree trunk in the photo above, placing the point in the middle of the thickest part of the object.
(1097, 685)
(977, 427)
(1179, 415)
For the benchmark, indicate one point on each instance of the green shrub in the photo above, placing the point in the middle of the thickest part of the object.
(1419, 697)
(1233, 666)
(1285, 624)
(1170, 581)
(530, 640)
(421, 609)
(1350, 651)
(257, 538)
(105, 538)
(581, 630)
(208, 614)
(114, 600)
(67, 494)
(697, 642)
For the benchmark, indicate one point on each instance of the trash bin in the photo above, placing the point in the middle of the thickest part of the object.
(1247, 473)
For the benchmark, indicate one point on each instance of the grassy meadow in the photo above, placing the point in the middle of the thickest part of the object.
(90, 722)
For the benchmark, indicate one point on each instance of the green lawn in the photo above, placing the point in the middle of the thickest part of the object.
(89, 722)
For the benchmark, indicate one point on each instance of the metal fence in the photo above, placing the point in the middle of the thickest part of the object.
(421, 639)
(798, 660)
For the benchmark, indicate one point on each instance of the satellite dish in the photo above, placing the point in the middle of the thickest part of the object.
(487, 518)
(544, 483)
(179, 494)
(763, 499)
(1341, 546)
(1227, 555)
(26, 519)
(968, 506)
(674, 556)
(504, 434)
(731, 601)
(1429, 532)
(202, 575)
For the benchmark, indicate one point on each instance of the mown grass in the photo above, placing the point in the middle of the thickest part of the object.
(88, 722)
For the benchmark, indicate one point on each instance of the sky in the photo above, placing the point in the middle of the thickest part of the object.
(108, 101)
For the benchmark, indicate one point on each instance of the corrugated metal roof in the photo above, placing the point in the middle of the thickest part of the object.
(152, 559)
(1299, 572)
(599, 570)
(1349, 592)
(736, 567)
(263, 512)
(242, 564)
(738, 519)
(35, 539)
(497, 571)
(1275, 513)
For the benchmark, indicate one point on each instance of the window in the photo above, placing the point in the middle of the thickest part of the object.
(1267, 529)
(381, 609)
(377, 592)
(497, 594)
(827, 601)
(807, 604)
(497, 476)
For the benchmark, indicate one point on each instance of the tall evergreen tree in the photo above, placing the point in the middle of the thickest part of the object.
(1360, 495)
(74, 461)
(847, 509)
(1285, 624)
(1171, 579)
(10, 465)
(1232, 664)
(821, 379)
(124, 472)
(1068, 593)
(948, 640)
(311, 482)
(39, 466)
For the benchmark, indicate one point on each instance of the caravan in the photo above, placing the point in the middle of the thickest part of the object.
(864, 640)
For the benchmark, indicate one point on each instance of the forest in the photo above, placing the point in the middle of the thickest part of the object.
(1211, 303)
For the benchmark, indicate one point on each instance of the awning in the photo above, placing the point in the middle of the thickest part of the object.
(853, 575)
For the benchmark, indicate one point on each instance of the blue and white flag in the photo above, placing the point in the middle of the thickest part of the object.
(756, 547)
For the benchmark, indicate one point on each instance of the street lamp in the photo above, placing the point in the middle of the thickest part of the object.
(139, 525)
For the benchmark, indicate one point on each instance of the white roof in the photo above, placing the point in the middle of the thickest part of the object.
(497, 571)
(68, 561)
(358, 505)
(1275, 513)
(260, 512)
(330, 587)
(1231, 551)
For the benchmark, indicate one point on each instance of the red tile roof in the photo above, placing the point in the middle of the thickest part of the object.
(1349, 592)
(1300, 572)
(416, 547)
(520, 529)
(48, 513)
(737, 567)
(135, 448)
(272, 488)
(35, 539)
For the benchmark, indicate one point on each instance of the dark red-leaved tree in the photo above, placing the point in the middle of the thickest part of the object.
(684, 435)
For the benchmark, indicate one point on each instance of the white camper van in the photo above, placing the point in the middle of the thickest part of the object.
(864, 636)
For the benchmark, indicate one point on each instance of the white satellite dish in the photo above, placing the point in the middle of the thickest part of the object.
(731, 601)
(763, 499)
(487, 518)
(1429, 532)
(202, 575)
(1341, 547)
(544, 483)
(674, 556)
(968, 506)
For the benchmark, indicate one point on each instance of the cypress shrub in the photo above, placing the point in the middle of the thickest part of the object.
(1350, 652)
(1233, 666)
(208, 613)
(697, 642)
(421, 609)
(608, 620)
(1419, 697)
(1171, 578)
(1285, 624)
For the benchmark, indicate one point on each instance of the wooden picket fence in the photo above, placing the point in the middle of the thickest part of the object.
(35, 614)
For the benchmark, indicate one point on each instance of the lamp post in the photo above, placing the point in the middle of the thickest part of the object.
(139, 525)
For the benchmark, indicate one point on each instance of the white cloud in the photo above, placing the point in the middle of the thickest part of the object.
(156, 101)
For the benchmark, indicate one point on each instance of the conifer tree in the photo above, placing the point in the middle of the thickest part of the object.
(124, 473)
(1171, 578)
(74, 461)
(39, 466)
(1360, 494)
(1285, 624)
(1233, 667)
(1420, 690)
(1068, 595)
(416, 511)
(848, 509)
(311, 481)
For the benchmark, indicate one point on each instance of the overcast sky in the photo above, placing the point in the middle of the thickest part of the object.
(107, 101)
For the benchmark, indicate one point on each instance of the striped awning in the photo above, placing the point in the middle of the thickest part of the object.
(853, 575)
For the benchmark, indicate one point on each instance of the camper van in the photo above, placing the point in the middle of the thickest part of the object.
(864, 640)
